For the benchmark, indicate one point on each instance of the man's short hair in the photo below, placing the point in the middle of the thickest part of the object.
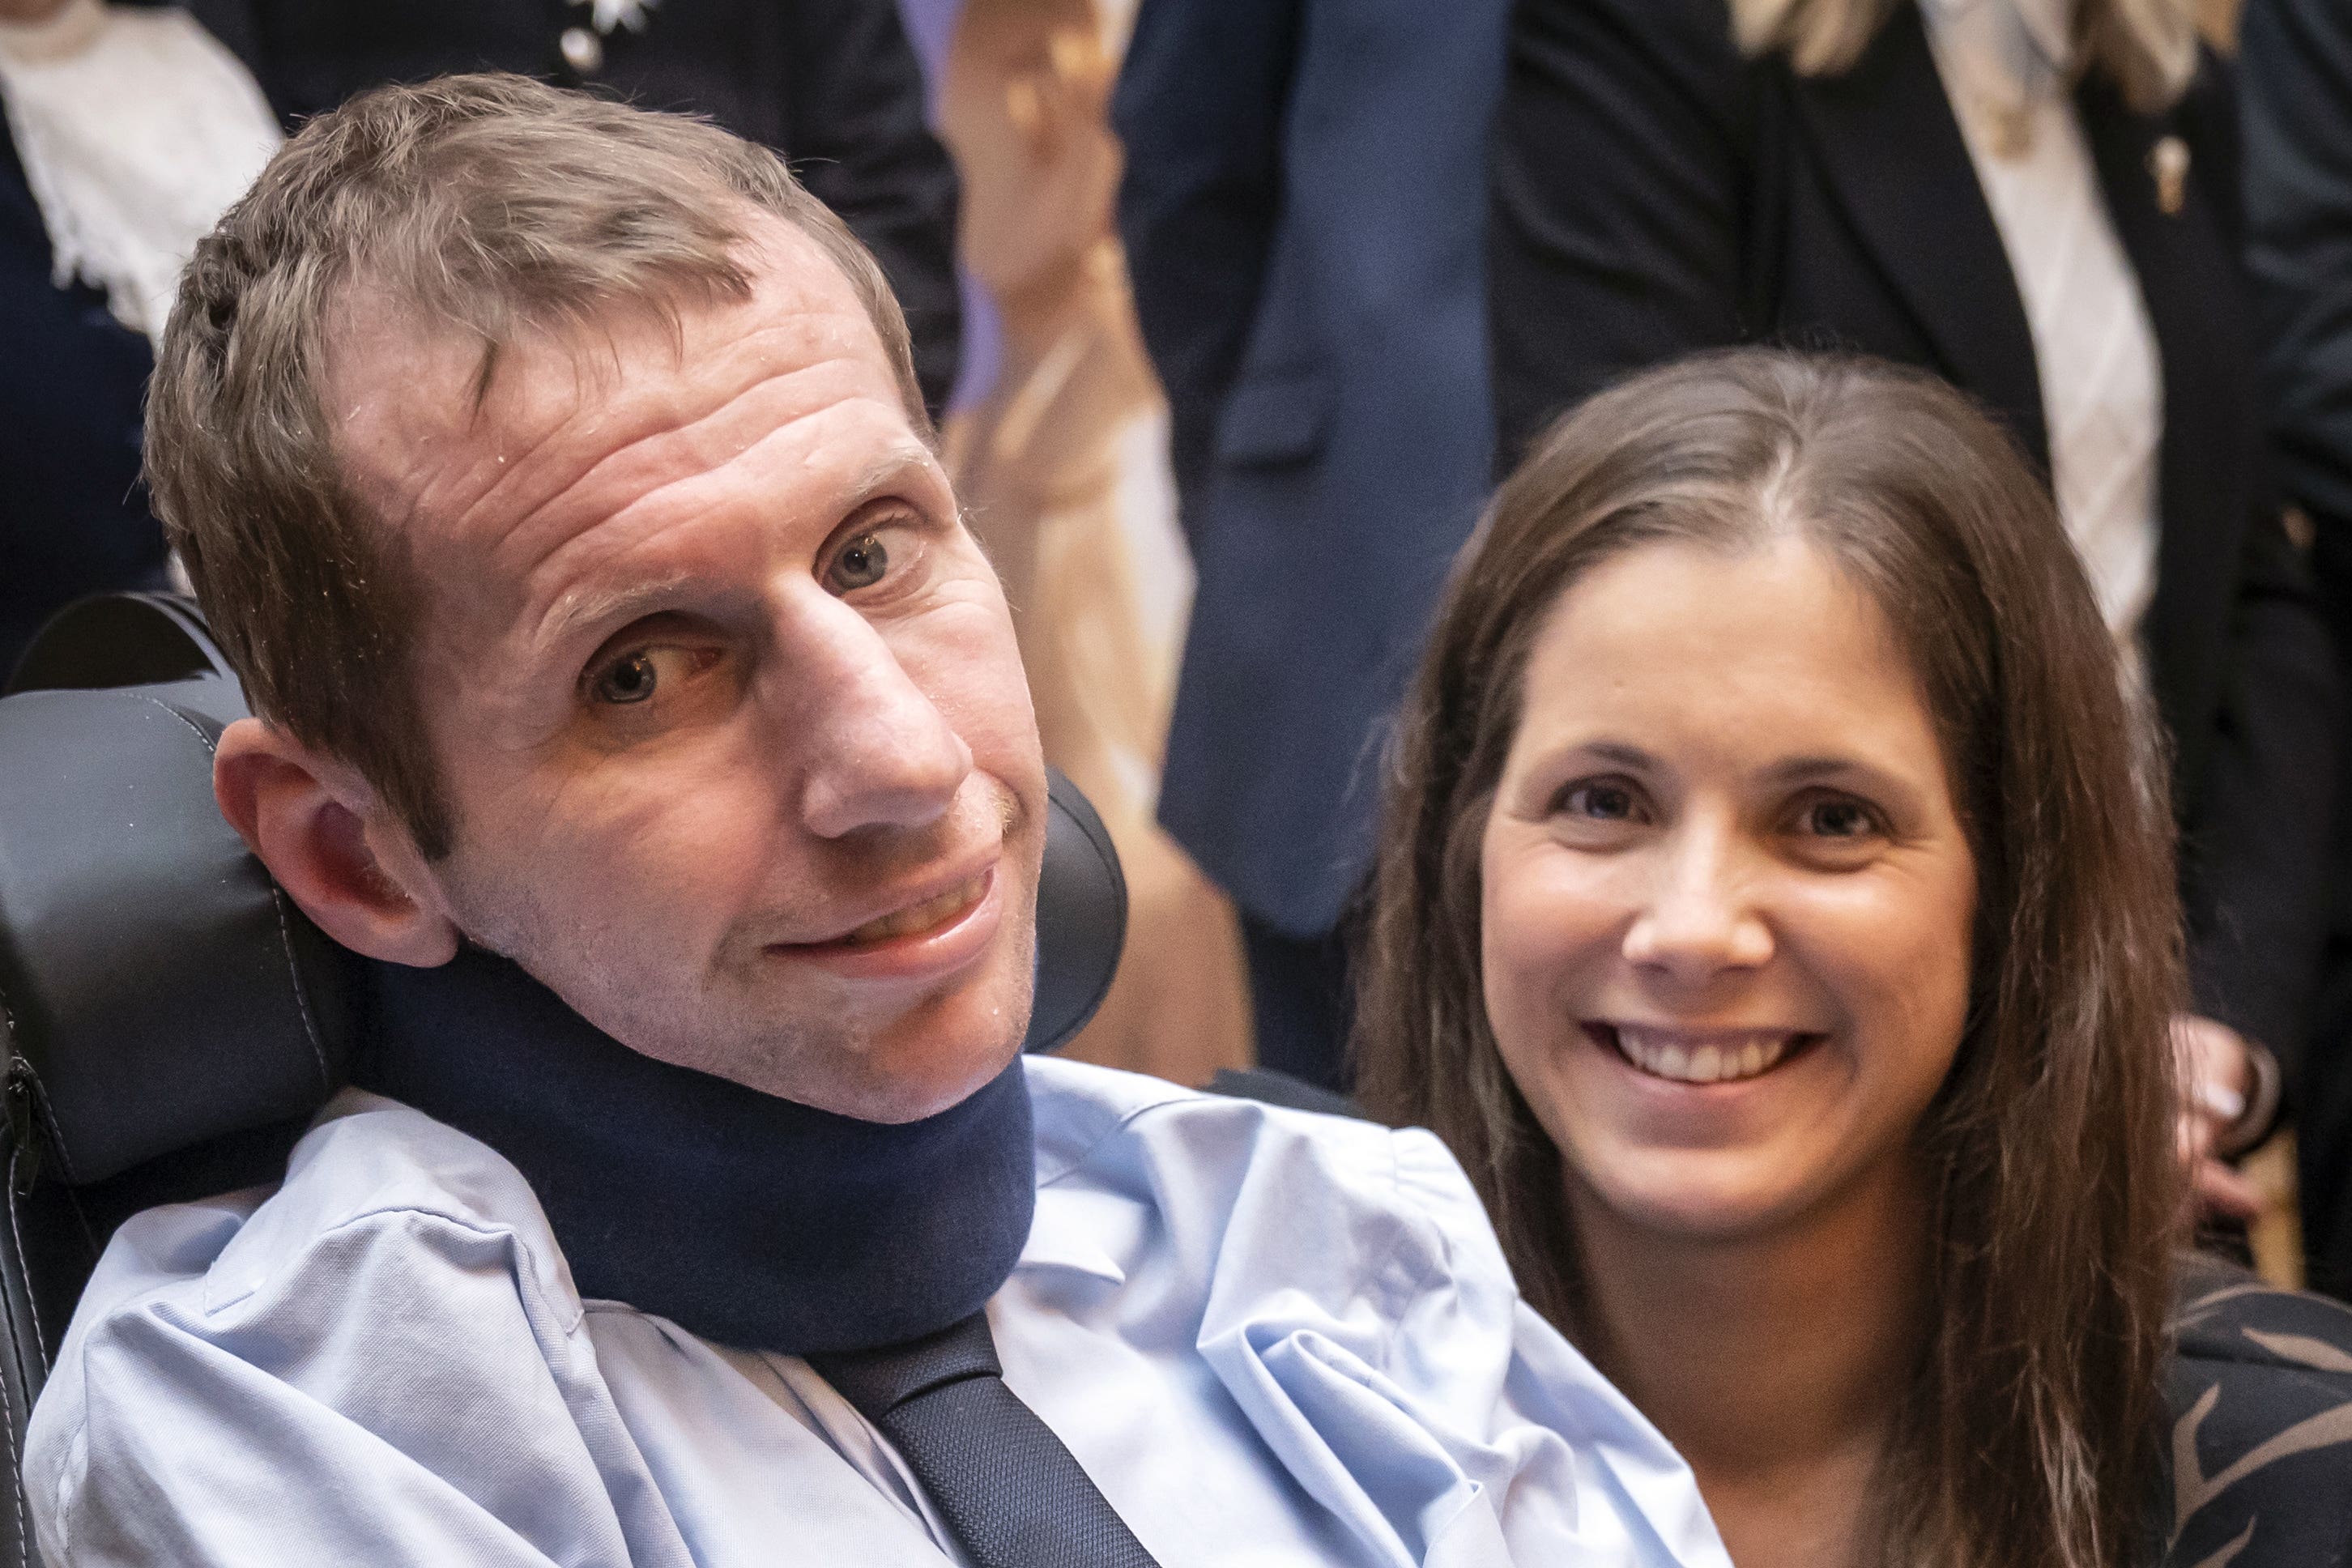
(493, 207)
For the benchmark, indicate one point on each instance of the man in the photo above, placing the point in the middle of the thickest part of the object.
(1303, 205)
(556, 475)
(2296, 84)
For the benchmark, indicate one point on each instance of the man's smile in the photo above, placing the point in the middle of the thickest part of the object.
(928, 915)
(928, 937)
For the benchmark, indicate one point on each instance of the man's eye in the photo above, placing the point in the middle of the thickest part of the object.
(860, 563)
(635, 677)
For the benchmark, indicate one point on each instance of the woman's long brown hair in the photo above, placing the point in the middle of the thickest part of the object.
(2031, 1436)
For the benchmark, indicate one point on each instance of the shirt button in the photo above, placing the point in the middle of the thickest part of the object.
(583, 51)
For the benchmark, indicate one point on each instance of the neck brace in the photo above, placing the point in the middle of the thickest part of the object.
(743, 1218)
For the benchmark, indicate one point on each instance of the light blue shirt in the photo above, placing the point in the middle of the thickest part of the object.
(1270, 1337)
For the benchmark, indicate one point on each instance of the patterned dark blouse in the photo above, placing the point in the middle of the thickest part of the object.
(2261, 1395)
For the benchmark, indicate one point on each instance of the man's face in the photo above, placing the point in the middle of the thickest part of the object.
(724, 697)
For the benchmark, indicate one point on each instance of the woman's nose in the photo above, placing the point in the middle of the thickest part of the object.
(1699, 919)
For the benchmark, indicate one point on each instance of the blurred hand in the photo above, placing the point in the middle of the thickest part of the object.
(2216, 1074)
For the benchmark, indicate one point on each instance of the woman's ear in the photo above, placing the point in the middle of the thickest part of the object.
(321, 831)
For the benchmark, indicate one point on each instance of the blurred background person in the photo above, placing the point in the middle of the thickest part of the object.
(1776, 916)
(832, 84)
(1061, 462)
(2295, 63)
(127, 131)
(2037, 200)
(1301, 212)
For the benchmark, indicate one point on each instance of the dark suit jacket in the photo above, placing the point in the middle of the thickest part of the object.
(73, 515)
(2295, 64)
(832, 84)
(1653, 192)
(1301, 210)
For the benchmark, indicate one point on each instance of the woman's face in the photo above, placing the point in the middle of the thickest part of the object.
(1727, 895)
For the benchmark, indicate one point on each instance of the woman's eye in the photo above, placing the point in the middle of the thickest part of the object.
(634, 677)
(1601, 802)
(860, 563)
(1840, 819)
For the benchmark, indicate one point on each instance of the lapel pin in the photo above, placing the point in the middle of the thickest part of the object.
(2168, 162)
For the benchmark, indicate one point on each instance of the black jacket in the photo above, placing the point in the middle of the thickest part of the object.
(832, 84)
(2295, 63)
(1653, 192)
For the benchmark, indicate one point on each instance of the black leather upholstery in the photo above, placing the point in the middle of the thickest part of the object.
(120, 639)
(144, 950)
(171, 1019)
(1081, 918)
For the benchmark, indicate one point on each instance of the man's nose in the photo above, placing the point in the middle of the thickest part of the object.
(876, 752)
(1699, 919)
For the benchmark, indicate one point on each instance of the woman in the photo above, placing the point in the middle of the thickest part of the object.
(2037, 200)
(1775, 914)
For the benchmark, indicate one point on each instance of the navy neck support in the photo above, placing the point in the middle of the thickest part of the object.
(744, 1218)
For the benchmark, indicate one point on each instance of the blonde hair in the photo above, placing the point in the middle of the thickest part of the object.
(2148, 48)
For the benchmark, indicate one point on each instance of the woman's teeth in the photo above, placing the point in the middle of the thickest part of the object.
(920, 917)
(1724, 1058)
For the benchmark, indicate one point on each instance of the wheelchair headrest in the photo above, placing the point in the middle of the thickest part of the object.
(158, 990)
(121, 639)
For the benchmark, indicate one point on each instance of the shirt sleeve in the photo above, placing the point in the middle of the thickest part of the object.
(195, 1421)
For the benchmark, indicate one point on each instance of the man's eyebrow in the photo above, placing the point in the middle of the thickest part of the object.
(617, 606)
(890, 471)
(583, 608)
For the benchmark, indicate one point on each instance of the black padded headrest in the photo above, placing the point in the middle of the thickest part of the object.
(120, 639)
(158, 990)
(1081, 918)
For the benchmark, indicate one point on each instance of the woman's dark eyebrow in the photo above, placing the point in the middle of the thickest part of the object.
(1807, 770)
(1620, 753)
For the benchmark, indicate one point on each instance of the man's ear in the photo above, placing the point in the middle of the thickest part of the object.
(331, 844)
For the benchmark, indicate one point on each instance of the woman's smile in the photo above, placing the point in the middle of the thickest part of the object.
(1699, 1057)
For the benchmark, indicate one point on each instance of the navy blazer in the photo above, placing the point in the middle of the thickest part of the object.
(1301, 213)
(1654, 193)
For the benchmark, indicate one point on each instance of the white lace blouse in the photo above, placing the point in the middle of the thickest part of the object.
(136, 130)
